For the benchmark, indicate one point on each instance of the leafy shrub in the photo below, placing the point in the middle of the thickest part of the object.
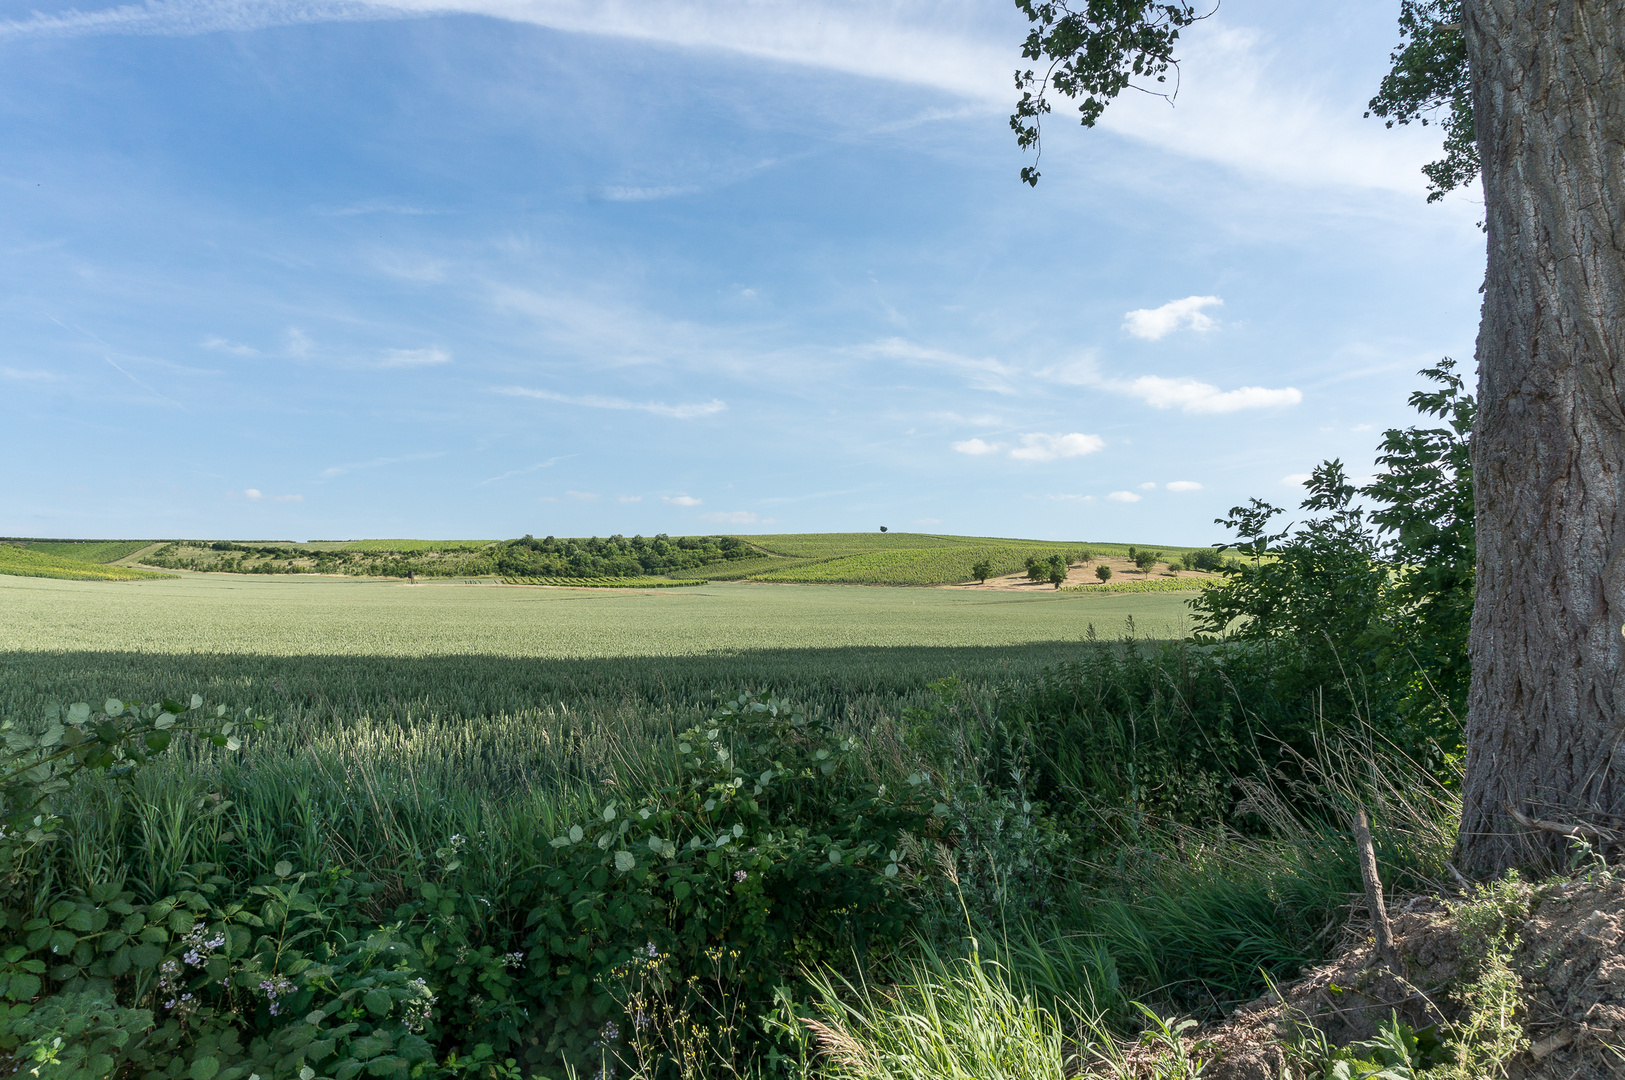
(1204, 559)
(762, 851)
(1367, 610)
(616, 556)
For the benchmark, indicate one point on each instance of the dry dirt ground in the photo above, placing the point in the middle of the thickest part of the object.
(1570, 955)
(1084, 574)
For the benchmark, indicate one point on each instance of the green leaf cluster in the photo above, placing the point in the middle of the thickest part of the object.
(1376, 586)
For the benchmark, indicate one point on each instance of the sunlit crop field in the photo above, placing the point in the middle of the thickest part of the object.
(294, 615)
(349, 662)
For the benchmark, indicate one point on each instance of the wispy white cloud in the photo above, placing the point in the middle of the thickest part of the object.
(1297, 479)
(413, 358)
(1243, 101)
(20, 375)
(1149, 485)
(1160, 392)
(1039, 446)
(378, 463)
(731, 517)
(527, 469)
(680, 500)
(1035, 446)
(220, 344)
(593, 401)
(985, 420)
(1062, 497)
(1194, 396)
(647, 194)
(1153, 324)
(187, 17)
(980, 373)
(1183, 485)
(1083, 370)
(410, 267)
(608, 332)
(373, 206)
(253, 494)
(1123, 497)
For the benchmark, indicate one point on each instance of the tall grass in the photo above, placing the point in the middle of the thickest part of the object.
(945, 1019)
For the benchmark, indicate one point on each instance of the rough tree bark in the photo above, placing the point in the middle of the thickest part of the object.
(1545, 724)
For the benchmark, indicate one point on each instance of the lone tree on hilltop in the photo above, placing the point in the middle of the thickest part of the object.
(1103, 572)
(1533, 100)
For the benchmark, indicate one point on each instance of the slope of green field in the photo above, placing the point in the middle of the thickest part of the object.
(414, 545)
(908, 558)
(739, 569)
(27, 562)
(95, 551)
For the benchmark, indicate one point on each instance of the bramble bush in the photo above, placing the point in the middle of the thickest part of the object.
(764, 853)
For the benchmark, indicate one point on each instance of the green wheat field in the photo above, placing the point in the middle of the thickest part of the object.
(484, 682)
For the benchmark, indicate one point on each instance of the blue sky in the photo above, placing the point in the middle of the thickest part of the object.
(480, 268)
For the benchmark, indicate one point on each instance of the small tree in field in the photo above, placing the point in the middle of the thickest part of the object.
(1146, 561)
(1037, 569)
(1103, 572)
(1057, 570)
(982, 571)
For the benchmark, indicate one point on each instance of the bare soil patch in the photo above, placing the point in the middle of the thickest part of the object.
(1084, 574)
(1570, 954)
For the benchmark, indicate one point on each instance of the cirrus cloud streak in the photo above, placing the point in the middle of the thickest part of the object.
(593, 401)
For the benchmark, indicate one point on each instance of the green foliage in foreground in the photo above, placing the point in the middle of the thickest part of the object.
(764, 850)
(27, 562)
(430, 846)
(1376, 597)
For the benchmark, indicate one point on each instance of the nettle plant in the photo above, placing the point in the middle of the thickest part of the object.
(767, 854)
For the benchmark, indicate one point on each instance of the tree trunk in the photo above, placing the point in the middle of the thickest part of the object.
(1545, 724)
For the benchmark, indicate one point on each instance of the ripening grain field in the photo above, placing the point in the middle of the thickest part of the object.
(485, 685)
